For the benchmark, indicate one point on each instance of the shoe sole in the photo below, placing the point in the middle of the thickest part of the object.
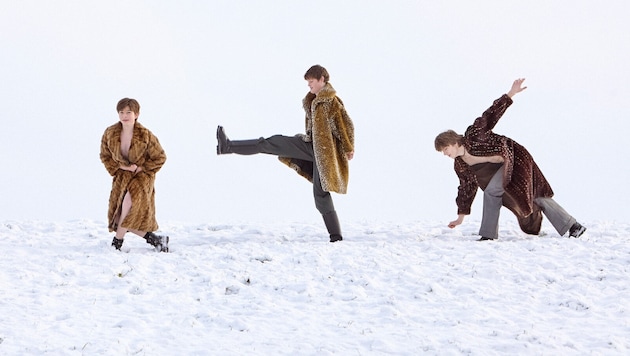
(487, 239)
(165, 247)
(218, 140)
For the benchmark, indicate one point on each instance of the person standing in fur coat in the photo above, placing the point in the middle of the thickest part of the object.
(132, 155)
(320, 155)
(507, 174)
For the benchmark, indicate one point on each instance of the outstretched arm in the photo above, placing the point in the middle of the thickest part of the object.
(458, 221)
(517, 87)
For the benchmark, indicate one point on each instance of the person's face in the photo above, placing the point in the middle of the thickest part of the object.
(316, 84)
(452, 151)
(127, 116)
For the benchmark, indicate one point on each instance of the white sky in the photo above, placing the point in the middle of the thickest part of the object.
(406, 71)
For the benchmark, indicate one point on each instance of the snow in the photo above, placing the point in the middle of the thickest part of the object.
(282, 288)
(405, 72)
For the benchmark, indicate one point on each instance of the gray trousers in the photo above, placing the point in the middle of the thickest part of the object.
(493, 201)
(295, 147)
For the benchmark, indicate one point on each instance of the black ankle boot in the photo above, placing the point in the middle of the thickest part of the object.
(335, 238)
(241, 147)
(159, 242)
(117, 243)
(223, 142)
(332, 225)
(576, 230)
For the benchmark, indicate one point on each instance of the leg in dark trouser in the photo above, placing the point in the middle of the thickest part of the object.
(324, 204)
(332, 225)
(278, 145)
(293, 147)
(492, 203)
(323, 199)
(288, 146)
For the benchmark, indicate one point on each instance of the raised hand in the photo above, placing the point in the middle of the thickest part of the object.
(517, 87)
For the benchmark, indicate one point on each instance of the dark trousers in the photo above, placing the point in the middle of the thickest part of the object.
(295, 147)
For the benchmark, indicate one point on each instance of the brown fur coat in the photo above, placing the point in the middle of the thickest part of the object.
(145, 151)
(331, 130)
(522, 179)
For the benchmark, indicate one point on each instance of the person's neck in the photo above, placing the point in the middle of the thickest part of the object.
(128, 126)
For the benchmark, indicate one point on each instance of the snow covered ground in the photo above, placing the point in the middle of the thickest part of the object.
(281, 288)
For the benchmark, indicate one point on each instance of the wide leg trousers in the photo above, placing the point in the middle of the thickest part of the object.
(493, 201)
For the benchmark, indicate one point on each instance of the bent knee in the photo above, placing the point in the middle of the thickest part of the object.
(494, 193)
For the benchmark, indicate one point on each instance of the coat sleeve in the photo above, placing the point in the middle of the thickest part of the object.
(344, 128)
(491, 116)
(467, 189)
(106, 156)
(155, 155)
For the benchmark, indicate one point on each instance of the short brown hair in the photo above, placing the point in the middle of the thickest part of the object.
(316, 72)
(447, 138)
(131, 103)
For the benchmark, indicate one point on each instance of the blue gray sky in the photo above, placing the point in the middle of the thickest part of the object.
(406, 71)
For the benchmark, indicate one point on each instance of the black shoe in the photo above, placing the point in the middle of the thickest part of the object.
(117, 243)
(222, 141)
(332, 225)
(159, 242)
(335, 238)
(576, 230)
(483, 238)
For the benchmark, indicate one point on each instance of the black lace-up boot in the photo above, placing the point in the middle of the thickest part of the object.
(159, 242)
(117, 243)
(576, 230)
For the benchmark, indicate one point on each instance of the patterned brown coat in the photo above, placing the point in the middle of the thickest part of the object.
(331, 130)
(146, 152)
(522, 179)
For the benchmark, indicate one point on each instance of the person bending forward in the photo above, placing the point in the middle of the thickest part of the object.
(507, 174)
